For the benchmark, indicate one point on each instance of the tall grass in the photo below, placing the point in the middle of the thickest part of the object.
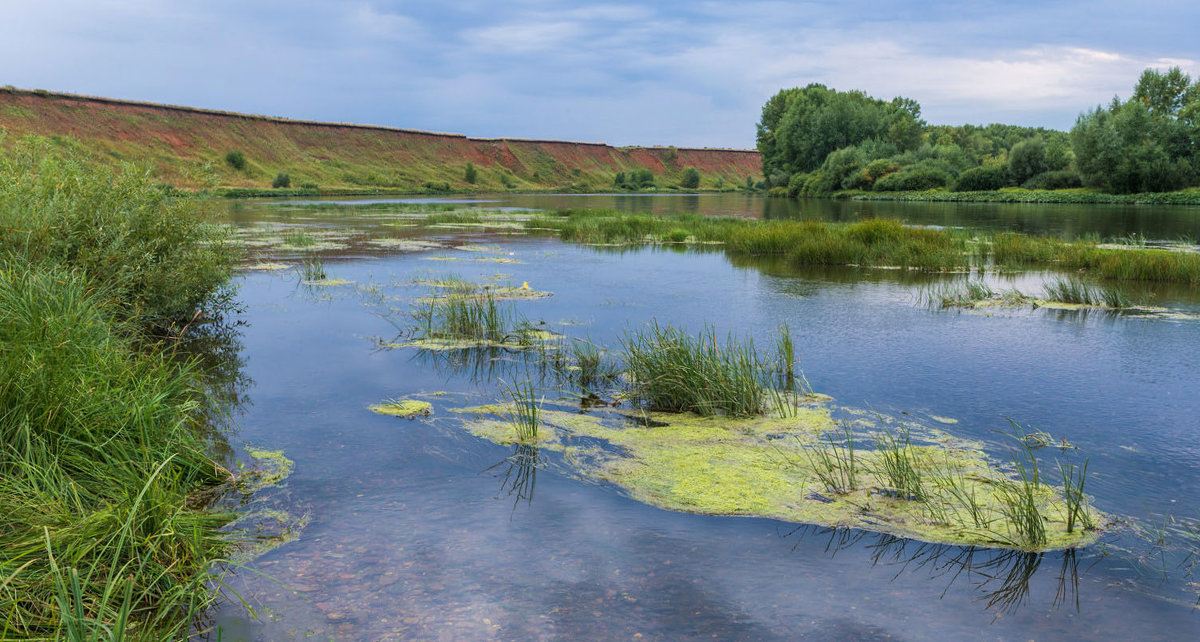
(1019, 499)
(102, 450)
(874, 242)
(897, 468)
(676, 372)
(834, 461)
(474, 319)
(526, 413)
(104, 439)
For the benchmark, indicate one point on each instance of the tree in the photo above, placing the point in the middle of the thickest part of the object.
(282, 179)
(471, 174)
(691, 178)
(800, 127)
(1027, 159)
(1149, 143)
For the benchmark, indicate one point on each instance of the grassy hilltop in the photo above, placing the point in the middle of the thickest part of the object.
(193, 148)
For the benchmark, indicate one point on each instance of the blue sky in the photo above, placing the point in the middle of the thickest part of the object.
(625, 73)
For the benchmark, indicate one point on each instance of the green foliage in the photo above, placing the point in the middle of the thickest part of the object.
(641, 178)
(158, 256)
(282, 179)
(236, 160)
(1027, 159)
(1061, 179)
(800, 127)
(691, 178)
(470, 174)
(982, 178)
(916, 178)
(1150, 143)
(619, 180)
(106, 443)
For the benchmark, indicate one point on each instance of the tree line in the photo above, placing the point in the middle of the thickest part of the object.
(817, 140)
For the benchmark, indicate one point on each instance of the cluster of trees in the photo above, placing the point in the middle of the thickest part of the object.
(818, 140)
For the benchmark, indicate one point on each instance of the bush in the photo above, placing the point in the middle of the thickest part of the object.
(236, 160)
(158, 254)
(470, 174)
(691, 178)
(641, 178)
(1063, 179)
(980, 179)
(918, 179)
(436, 186)
(1027, 159)
(281, 180)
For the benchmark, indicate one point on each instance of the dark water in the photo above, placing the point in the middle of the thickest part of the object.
(415, 531)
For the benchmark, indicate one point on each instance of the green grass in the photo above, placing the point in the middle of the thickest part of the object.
(673, 371)
(872, 243)
(466, 319)
(833, 460)
(1019, 499)
(105, 432)
(526, 410)
(897, 470)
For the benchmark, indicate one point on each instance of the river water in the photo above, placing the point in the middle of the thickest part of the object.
(415, 529)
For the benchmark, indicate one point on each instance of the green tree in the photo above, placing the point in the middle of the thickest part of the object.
(691, 178)
(470, 174)
(282, 179)
(1027, 159)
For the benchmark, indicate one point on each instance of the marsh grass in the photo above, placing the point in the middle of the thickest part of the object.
(897, 469)
(525, 416)
(874, 242)
(960, 294)
(1072, 290)
(312, 268)
(833, 459)
(472, 319)
(673, 371)
(592, 370)
(1074, 477)
(299, 239)
(1020, 498)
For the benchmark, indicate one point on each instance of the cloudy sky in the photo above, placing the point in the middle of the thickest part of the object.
(672, 73)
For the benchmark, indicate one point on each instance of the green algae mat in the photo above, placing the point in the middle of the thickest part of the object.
(810, 468)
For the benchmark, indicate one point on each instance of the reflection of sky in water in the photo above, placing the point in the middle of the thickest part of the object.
(416, 530)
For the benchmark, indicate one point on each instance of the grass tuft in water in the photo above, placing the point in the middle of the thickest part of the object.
(1074, 477)
(526, 413)
(833, 461)
(1020, 498)
(897, 466)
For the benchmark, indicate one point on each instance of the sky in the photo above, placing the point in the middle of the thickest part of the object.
(626, 73)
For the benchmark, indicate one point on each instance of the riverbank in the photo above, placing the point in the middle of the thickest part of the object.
(108, 471)
(1081, 196)
(195, 149)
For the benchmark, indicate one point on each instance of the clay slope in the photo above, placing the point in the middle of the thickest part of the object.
(187, 148)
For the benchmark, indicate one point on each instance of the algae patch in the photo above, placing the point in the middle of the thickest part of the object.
(327, 282)
(777, 467)
(407, 408)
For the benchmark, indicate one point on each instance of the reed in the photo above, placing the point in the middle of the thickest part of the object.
(525, 415)
(897, 468)
(834, 461)
(673, 371)
(1019, 498)
(1074, 477)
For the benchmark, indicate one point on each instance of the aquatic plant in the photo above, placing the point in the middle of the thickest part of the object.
(1074, 477)
(833, 461)
(592, 370)
(897, 470)
(473, 319)
(960, 294)
(526, 411)
(299, 239)
(312, 268)
(1020, 498)
(676, 372)
(1071, 290)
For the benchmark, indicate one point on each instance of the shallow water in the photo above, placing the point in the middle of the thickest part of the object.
(419, 530)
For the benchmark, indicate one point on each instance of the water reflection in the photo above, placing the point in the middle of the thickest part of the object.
(519, 474)
(1001, 577)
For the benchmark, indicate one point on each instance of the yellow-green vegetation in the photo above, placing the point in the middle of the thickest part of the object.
(106, 474)
(407, 408)
(329, 283)
(779, 467)
(875, 243)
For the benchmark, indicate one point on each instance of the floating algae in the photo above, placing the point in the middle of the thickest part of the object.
(481, 259)
(267, 267)
(772, 467)
(327, 282)
(406, 245)
(407, 408)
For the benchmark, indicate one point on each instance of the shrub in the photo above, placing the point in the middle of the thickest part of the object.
(691, 178)
(979, 179)
(159, 255)
(1062, 179)
(436, 186)
(1027, 159)
(236, 160)
(470, 174)
(913, 180)
(281, 180)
